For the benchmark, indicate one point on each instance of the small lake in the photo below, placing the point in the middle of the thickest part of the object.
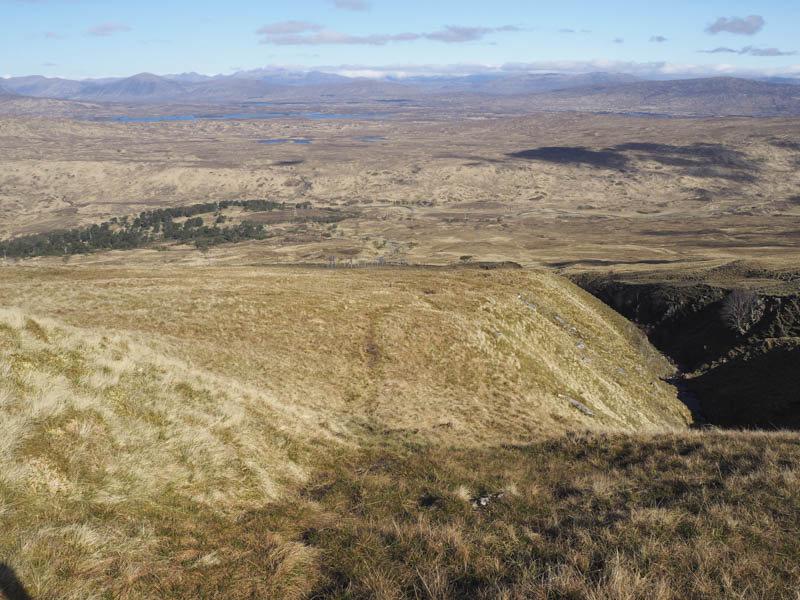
(371, 139)
(650, 115)
(277, 115)
(285, 141)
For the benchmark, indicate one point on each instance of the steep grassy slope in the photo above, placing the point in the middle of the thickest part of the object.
(104, 440)
(450, 353)
(298, 433)
(142, 409)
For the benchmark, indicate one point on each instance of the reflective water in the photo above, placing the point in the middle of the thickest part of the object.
(277, 115)
(285, 141)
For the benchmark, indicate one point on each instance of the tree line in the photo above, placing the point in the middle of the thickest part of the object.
(149, 226)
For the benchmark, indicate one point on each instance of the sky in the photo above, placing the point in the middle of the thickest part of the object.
(107, 38)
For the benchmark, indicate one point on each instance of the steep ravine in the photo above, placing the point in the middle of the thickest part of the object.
(749, 380)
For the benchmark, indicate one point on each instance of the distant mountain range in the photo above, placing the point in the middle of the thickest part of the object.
(715, 96)
(263, 83)
(195, 88)
(524, 83)
(594, 92)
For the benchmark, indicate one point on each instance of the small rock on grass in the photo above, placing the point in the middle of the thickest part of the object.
(579, 405)
(483, 501)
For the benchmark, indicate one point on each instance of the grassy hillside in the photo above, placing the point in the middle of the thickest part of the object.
(446, 352)
(365, 433)
(146, 414)
(588, 515)
(127, 474)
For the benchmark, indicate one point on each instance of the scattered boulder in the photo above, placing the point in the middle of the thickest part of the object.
(579, 405)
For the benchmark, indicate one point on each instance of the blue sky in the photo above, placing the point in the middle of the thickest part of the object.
(96, 38)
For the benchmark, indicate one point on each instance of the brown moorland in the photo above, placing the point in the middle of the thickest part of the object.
(180, 422)
(576, 192)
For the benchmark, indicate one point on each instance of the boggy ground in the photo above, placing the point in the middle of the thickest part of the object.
(567, 191)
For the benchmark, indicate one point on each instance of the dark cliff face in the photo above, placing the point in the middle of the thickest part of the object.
(741, 380)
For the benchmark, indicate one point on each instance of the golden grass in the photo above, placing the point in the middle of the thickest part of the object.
(187, 430)
(612, 516)
(301, 433)
(142, 402)
(97, 428)
(460, 354)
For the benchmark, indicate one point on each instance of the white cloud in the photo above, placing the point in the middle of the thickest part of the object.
(751, 51)
(352, 4)
(286, 27)
(301, 33)
(656, 70)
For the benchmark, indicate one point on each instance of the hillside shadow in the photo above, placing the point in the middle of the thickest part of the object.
(698, 160)
(752, 392)
(601, 262)
(10, 585)
(786, 144)
(607, 158)
(711, 161)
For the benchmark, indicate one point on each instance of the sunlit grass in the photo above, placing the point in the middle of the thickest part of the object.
(292, 433)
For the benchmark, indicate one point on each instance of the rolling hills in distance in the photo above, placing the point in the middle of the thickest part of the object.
(592, 92)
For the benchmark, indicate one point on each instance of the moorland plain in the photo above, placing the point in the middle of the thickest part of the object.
(560, 190)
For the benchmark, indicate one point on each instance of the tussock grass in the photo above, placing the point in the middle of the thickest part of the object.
(587, 515)
(583, 515)
(104, 440)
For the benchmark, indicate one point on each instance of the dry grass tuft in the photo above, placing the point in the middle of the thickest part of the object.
(97, 430)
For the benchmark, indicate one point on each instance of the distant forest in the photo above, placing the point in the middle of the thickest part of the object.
(151, 226)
